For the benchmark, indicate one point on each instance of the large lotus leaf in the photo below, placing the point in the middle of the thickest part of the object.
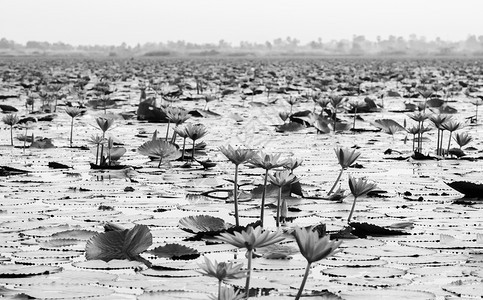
(65, 291)
(78, 234)
(9, 271)
(290, 127)
(175, 251)
(466, 288)
(385, 124)
(125, 244)
(203, 224)
(114, 264)
(173, 295)
(365, 229)
(469, 189)
(386, 294)
(322, 125)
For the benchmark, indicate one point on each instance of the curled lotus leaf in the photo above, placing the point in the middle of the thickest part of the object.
(203, 224)
(123, 244)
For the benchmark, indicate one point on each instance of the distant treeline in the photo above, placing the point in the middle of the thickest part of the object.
(358, 46)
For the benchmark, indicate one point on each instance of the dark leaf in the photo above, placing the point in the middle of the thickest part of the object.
(125, 244)
(363, 230)
(175, 251)
(469, 189)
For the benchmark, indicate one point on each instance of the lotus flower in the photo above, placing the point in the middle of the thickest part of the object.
(477, 102)
(104, 124)
(195, 132)
(267, 162)
(313, 248)
(237, 157)
(292, 101)
(281, 179)
(451, 126)
(420, 117)
(222, 271)
(11, 120)
(359, 187)
(72, 112)
(346, 158)
(181, 131)
(284, 115)
(462, 139)
(293, 163)
(335, 101)
(251, 239)
(177, 116)
(97, 140)
(159, 149)
(438, 121)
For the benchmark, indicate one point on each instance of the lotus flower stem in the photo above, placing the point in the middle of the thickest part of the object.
(219, 289)
(277, 221)
(335, 118)
(441, 143)
(235, 196)
(102, 154)
(97, 154)
(249, 273)
(25, 140)
(355, 116)
(306, 275)
(449, 140)
(438, 150)
(336, 181)
(71, 130)
(167, 130)
(352, 210)
(193, 155)
(11, 135)
(263, 198)
(182, 153)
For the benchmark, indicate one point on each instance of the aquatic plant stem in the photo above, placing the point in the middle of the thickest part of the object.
(249, 273)
(184, 145)
(441, 143)
(438, 151)
(449, 140)
(235, 196)
(71, 130)
(11, 135)
(355, 116)
(306, 275)
(262, 208)
(193, 154)
(167, 131)
(277, 221)
(336, 181)
(219, 289)
(352, 210)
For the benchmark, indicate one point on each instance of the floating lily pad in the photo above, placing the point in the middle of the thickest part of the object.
(175, 251)
(466, 288)
(387, 294)
(366, 272)
(12, 271)
(203, 224)
(114, 264)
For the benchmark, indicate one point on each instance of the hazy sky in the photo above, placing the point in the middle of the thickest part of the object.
(111, 22)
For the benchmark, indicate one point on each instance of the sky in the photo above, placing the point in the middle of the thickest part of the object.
(112, 22)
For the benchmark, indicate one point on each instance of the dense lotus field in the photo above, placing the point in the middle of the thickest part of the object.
(228, 178)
